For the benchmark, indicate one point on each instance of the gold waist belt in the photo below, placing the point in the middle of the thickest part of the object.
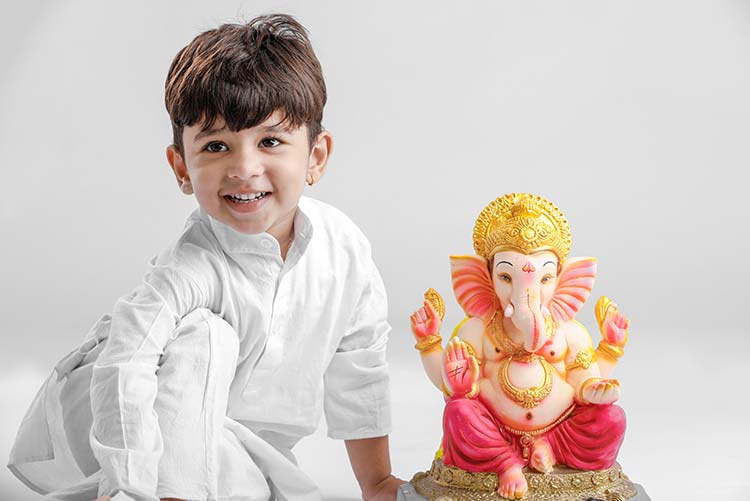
(527, 436)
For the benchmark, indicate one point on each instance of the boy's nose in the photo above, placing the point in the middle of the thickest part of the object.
(246, 165)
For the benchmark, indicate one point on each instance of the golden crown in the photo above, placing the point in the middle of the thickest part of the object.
(522, 222)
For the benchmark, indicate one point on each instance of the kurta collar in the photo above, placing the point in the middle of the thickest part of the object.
(234, 242)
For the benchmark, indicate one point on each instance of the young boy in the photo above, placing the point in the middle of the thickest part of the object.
(265, 312)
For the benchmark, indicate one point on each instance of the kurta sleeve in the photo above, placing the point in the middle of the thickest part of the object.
(357, 395)
(125, 435)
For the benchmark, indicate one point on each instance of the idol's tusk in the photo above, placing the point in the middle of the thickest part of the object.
(508, 310)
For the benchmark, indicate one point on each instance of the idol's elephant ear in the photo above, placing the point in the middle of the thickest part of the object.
(573, 288)
(472, 285)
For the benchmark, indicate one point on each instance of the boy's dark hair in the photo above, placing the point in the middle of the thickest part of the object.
(243, 73)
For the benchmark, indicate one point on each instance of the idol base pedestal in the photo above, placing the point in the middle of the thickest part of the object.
(448, 483)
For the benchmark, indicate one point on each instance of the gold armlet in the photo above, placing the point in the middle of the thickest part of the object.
(585, 385)
(473, 352)
(428, 343)
(584, 359)
(609, 351)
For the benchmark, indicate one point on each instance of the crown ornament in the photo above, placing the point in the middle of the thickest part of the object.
(521, 222)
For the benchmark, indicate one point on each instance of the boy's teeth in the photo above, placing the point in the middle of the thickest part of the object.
(247, 197)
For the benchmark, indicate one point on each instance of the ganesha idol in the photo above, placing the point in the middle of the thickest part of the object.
(530, 404)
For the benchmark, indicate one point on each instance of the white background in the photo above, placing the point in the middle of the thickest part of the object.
(633, 117)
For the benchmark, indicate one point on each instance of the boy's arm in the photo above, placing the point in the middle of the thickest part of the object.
(357, 397)
(356, 387)
(371, 463)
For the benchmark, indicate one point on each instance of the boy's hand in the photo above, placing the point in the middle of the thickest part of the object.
(371, 463)
(386, 490)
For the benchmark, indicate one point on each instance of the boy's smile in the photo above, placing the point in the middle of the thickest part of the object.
(247, 202)
(252, 179)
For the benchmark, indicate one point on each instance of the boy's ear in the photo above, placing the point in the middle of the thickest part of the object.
(180, 169)
(319, 155)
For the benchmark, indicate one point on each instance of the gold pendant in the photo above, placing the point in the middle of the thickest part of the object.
(530, 397)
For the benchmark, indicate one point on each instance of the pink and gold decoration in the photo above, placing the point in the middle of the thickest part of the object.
(529, 402)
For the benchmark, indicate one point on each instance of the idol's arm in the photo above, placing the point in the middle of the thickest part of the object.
(371, 463)
(613, 325)
(425, 325)
(582, 369)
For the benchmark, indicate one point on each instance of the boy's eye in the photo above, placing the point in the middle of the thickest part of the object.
(216, 147)
(269, 142)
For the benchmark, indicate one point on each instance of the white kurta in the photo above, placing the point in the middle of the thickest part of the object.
(312, 336)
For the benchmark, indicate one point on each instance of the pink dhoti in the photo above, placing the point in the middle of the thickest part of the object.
(475, 440)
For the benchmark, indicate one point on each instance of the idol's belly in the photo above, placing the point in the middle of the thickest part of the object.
(525, 414)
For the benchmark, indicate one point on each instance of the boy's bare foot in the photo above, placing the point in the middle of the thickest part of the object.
(512, 483)
(542, 459)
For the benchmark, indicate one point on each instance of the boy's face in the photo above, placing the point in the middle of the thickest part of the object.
(250, 180)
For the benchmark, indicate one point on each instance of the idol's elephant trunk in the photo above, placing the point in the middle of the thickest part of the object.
(526, 314)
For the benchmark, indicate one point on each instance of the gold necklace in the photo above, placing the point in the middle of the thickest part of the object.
(529, 397)
(501, 340)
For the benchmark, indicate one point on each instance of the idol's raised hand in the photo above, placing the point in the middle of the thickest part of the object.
(425, 321)
(461, 370)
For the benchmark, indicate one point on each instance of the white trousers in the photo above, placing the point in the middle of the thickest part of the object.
(207, 456)
(202, 459)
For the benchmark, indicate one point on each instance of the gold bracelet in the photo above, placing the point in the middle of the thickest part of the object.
(583, 360)
(609, 350)
(471, 394)
(428, 342)
(585, 385)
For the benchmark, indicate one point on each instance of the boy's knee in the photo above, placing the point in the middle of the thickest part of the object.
(224, 342)
(194, 377)
(205, 337)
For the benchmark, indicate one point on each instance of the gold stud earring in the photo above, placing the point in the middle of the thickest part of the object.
(310, 180)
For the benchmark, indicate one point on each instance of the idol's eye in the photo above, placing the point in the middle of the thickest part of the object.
(269, 142)
(505, 277)
(546, 278)
(216, 147)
